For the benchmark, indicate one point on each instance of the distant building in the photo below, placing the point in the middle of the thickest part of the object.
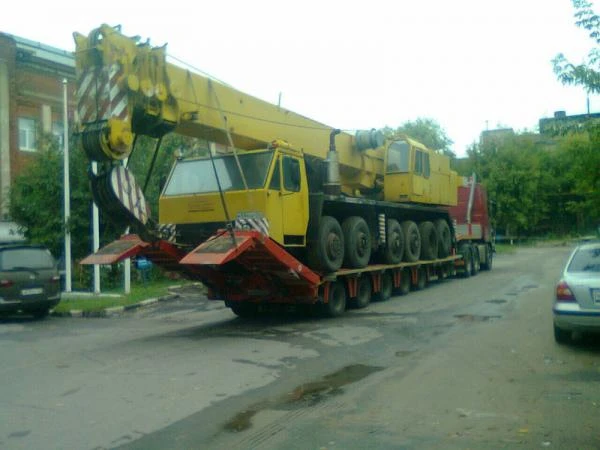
(31, 103)
(498, 135)
(562, 123)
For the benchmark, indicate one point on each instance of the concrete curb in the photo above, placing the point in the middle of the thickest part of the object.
(119, 310)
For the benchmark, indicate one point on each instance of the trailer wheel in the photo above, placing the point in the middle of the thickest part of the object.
(336, 304)
(476, 260)
(429, 240)
(412, 241)
(387, 286)
(421, 282)
(394, 242)
(357, 238)
(465, 251)
(487, 260)
(404, 287)
(363, 293)
(442, 272)
(444, 238)
(244, 310)
(327, 254)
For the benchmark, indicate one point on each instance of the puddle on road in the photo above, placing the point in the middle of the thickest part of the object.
(583, 375)
(402, 353)
(305, 395)
(496, 301)
(476, 318)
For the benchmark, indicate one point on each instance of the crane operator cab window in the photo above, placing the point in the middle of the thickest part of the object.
(398, 157)
(422, 163)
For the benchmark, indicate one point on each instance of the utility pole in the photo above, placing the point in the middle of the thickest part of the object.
(66, 189)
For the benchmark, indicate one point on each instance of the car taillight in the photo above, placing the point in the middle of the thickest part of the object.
(6, 283)
(563, 293)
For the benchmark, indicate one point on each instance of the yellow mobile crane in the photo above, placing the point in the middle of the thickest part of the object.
(326, 198)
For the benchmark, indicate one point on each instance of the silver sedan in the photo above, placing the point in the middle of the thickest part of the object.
(577, 298)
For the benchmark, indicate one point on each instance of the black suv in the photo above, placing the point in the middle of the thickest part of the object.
(29, 280)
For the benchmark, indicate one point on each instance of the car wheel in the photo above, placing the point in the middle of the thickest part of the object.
(562, 336)
(40, 313)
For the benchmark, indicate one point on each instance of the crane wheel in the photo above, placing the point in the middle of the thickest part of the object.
(444, 238)
(412, 241)
(357, 238)
(394, 242)
(327, 253)
(336, 302)
(429, 240)
(363, 293)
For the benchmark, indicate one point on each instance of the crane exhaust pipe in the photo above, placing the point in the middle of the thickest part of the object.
(332, 185)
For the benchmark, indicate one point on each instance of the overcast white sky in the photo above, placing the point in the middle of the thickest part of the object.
(468, 64)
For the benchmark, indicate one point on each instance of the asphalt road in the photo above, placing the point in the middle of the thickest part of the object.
(466, 363)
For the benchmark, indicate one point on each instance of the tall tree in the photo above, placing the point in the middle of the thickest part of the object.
(586, 74)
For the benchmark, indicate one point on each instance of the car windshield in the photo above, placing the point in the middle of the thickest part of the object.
(585, 260)
(25, 258)
(197, 176)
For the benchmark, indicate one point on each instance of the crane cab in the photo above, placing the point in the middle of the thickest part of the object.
(416, 174)
(263, 189)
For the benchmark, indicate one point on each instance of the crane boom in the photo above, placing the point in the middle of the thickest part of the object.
(127, 88)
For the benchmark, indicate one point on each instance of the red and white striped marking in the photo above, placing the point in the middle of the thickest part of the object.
(102, 95)
(129, 193)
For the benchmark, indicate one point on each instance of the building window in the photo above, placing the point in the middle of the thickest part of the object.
(27, 134)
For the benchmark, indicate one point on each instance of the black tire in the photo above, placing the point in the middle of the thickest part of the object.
(443, 272)
(394, 242)
(40, 313)
(327, 253)
(364, 292)
(465, 251)
(421, 282)
(429, 240)
(387, 286)
(488, 257)
(412, 241)
(357, 238)
(476, 260)
(243, 309)
(336, 303)
(444, 238)
(562, 336)
(404, 287)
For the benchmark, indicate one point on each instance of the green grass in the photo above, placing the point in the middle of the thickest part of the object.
(505, 249)
(108, 299)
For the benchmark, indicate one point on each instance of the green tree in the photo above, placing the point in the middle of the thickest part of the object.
(36, 199)
(586, 74)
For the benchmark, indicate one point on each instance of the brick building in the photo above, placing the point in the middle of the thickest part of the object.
(31, 103)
